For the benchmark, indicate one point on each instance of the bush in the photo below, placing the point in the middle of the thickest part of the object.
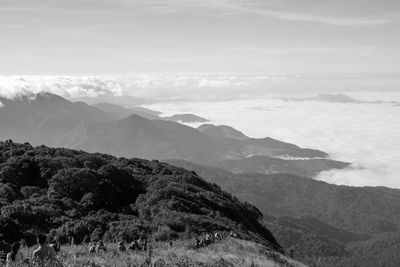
(164, 233)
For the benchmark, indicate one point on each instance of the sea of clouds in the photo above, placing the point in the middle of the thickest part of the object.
(365, 134)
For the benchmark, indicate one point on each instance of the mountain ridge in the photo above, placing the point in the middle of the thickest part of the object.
(369, 210)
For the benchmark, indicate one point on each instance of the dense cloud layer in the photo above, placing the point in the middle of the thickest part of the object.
(158, 86)
(194, 86)
(368, 135)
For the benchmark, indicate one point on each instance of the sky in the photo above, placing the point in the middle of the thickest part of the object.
(105, 37)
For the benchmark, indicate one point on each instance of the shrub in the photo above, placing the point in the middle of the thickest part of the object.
(164, 233)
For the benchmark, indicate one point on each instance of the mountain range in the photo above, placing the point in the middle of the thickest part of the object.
(49, 119)
(41, 118)
(332, 98)
(335, 98)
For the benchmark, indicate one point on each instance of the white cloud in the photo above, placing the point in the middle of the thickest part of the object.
(165, 86)
(367, 135)
(257, 8)
(336, 21)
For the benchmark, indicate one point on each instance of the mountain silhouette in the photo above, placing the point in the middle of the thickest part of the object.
(269, 165)
(221, 132)
(49, 119)
(140, 137)
(41, 118)
(185, 118)
(120, 112)
(330, 98)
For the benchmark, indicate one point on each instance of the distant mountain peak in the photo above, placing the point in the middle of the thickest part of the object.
(221, 132)
(47, 96)
(337, 98)
(134, 118)
(120, 112)
(186, 118)
(326, 97)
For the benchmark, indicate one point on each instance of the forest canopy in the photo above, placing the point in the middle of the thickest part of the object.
(74, 194)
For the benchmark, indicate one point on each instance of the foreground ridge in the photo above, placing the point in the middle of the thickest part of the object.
(79, 196)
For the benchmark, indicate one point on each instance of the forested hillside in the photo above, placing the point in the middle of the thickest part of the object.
(324, 224)
(91, 196)
(369, 210)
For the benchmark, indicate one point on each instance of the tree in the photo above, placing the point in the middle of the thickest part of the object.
(73, 183)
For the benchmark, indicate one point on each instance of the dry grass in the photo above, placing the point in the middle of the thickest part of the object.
(226, 253)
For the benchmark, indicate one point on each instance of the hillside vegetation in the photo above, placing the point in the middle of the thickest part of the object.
(230, 252)
(367, 210)
(73, 194)
(324, 224)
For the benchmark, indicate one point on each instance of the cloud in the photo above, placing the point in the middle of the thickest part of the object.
(183, 86)
(161, 86)
(336, 21)
(365, 135)
(1, 104)
(270, 10)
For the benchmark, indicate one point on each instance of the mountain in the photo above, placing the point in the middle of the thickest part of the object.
(221, 132)
(334, 98)
(160, 139)
(305, 239)
(324, 224)
(185, 118)
(269, 165)
(124, 100)
(71, 193)
(337, 98)
(118, 112)
(381, 250)
(241, 146)
(267, 146)
(330, 98)
(321, 228)
(41, 118)
(367, 210)
(140, 137)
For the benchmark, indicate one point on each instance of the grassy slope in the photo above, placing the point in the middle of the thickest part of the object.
(226, 253)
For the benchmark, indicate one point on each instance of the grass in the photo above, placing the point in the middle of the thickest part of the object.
(229, 252)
